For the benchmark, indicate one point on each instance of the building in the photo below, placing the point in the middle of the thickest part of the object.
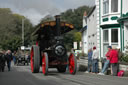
(89, 30)
(110, 25)
(123, 21)
(84, 34)
(110, 31)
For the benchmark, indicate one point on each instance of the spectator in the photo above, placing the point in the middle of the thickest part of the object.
(106, 64)
(78, 55)
(2, 61)
(114, 61)
(95, 56)
(90, 60)
(120, 54)
(14, 57)
(9, 58)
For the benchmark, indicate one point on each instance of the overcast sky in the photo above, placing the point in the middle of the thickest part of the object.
(37, 9)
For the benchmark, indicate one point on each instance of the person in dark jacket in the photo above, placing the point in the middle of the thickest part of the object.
(90, 60)
(2, 61)
(9, 58)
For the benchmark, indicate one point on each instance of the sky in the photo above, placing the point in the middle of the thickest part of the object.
(35, 10)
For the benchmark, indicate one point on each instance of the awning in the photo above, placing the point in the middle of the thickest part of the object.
(84, 28)
(109, 25)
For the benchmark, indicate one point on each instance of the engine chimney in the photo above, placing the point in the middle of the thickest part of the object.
(58, 25)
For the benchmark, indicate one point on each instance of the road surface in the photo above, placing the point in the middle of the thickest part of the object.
(21, 75)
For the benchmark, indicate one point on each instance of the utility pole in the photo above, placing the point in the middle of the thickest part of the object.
(22, 32)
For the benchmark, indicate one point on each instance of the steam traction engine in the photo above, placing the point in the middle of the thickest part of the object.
(49, 51)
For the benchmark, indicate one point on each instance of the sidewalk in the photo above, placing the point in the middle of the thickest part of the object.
(82, 65)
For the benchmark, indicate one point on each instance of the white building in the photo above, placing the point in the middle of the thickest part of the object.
(84, 34)
(110, 25)
(123, 20)
(89, 30)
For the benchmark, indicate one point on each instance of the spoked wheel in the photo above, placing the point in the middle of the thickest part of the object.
(72, 64)
(45, 63)
(35, 59)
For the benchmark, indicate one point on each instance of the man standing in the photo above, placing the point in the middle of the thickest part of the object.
(9, 58)
(106, 64)
(95, 56)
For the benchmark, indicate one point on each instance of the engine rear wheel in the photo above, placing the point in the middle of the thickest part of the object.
(35, 59)
(72, 64)
(45, 63)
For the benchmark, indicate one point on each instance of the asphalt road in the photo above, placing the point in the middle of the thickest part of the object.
(21, 75)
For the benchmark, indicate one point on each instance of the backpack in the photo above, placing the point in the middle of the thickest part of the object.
(120, 73)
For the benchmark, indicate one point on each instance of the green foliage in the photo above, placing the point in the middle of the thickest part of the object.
(77, 36)
(75, 16)
(12, 44)
(11, 29)
(124, 58)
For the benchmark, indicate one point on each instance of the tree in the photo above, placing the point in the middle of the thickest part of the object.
(75, 16)
(77, 37)
(11, 29)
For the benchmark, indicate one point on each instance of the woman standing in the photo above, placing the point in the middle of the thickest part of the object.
(114, 61)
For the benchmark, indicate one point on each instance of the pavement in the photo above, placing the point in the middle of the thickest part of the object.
(21, 75)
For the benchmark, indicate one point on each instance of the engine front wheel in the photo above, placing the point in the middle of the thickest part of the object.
(72, 64)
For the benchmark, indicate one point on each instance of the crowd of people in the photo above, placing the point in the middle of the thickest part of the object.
(5, 57)
(111, 60)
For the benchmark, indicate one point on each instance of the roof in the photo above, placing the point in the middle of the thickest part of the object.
(89, 14)
(91, 11)
(52, 24)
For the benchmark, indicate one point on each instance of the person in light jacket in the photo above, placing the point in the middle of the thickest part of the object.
(95, 56)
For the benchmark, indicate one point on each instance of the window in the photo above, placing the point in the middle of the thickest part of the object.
(114, 6)
(114, 35)
(105, 6)
(105, 49)
(105, 35)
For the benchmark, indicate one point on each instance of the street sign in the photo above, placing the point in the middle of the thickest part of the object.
(22, 47)
(75, 45)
